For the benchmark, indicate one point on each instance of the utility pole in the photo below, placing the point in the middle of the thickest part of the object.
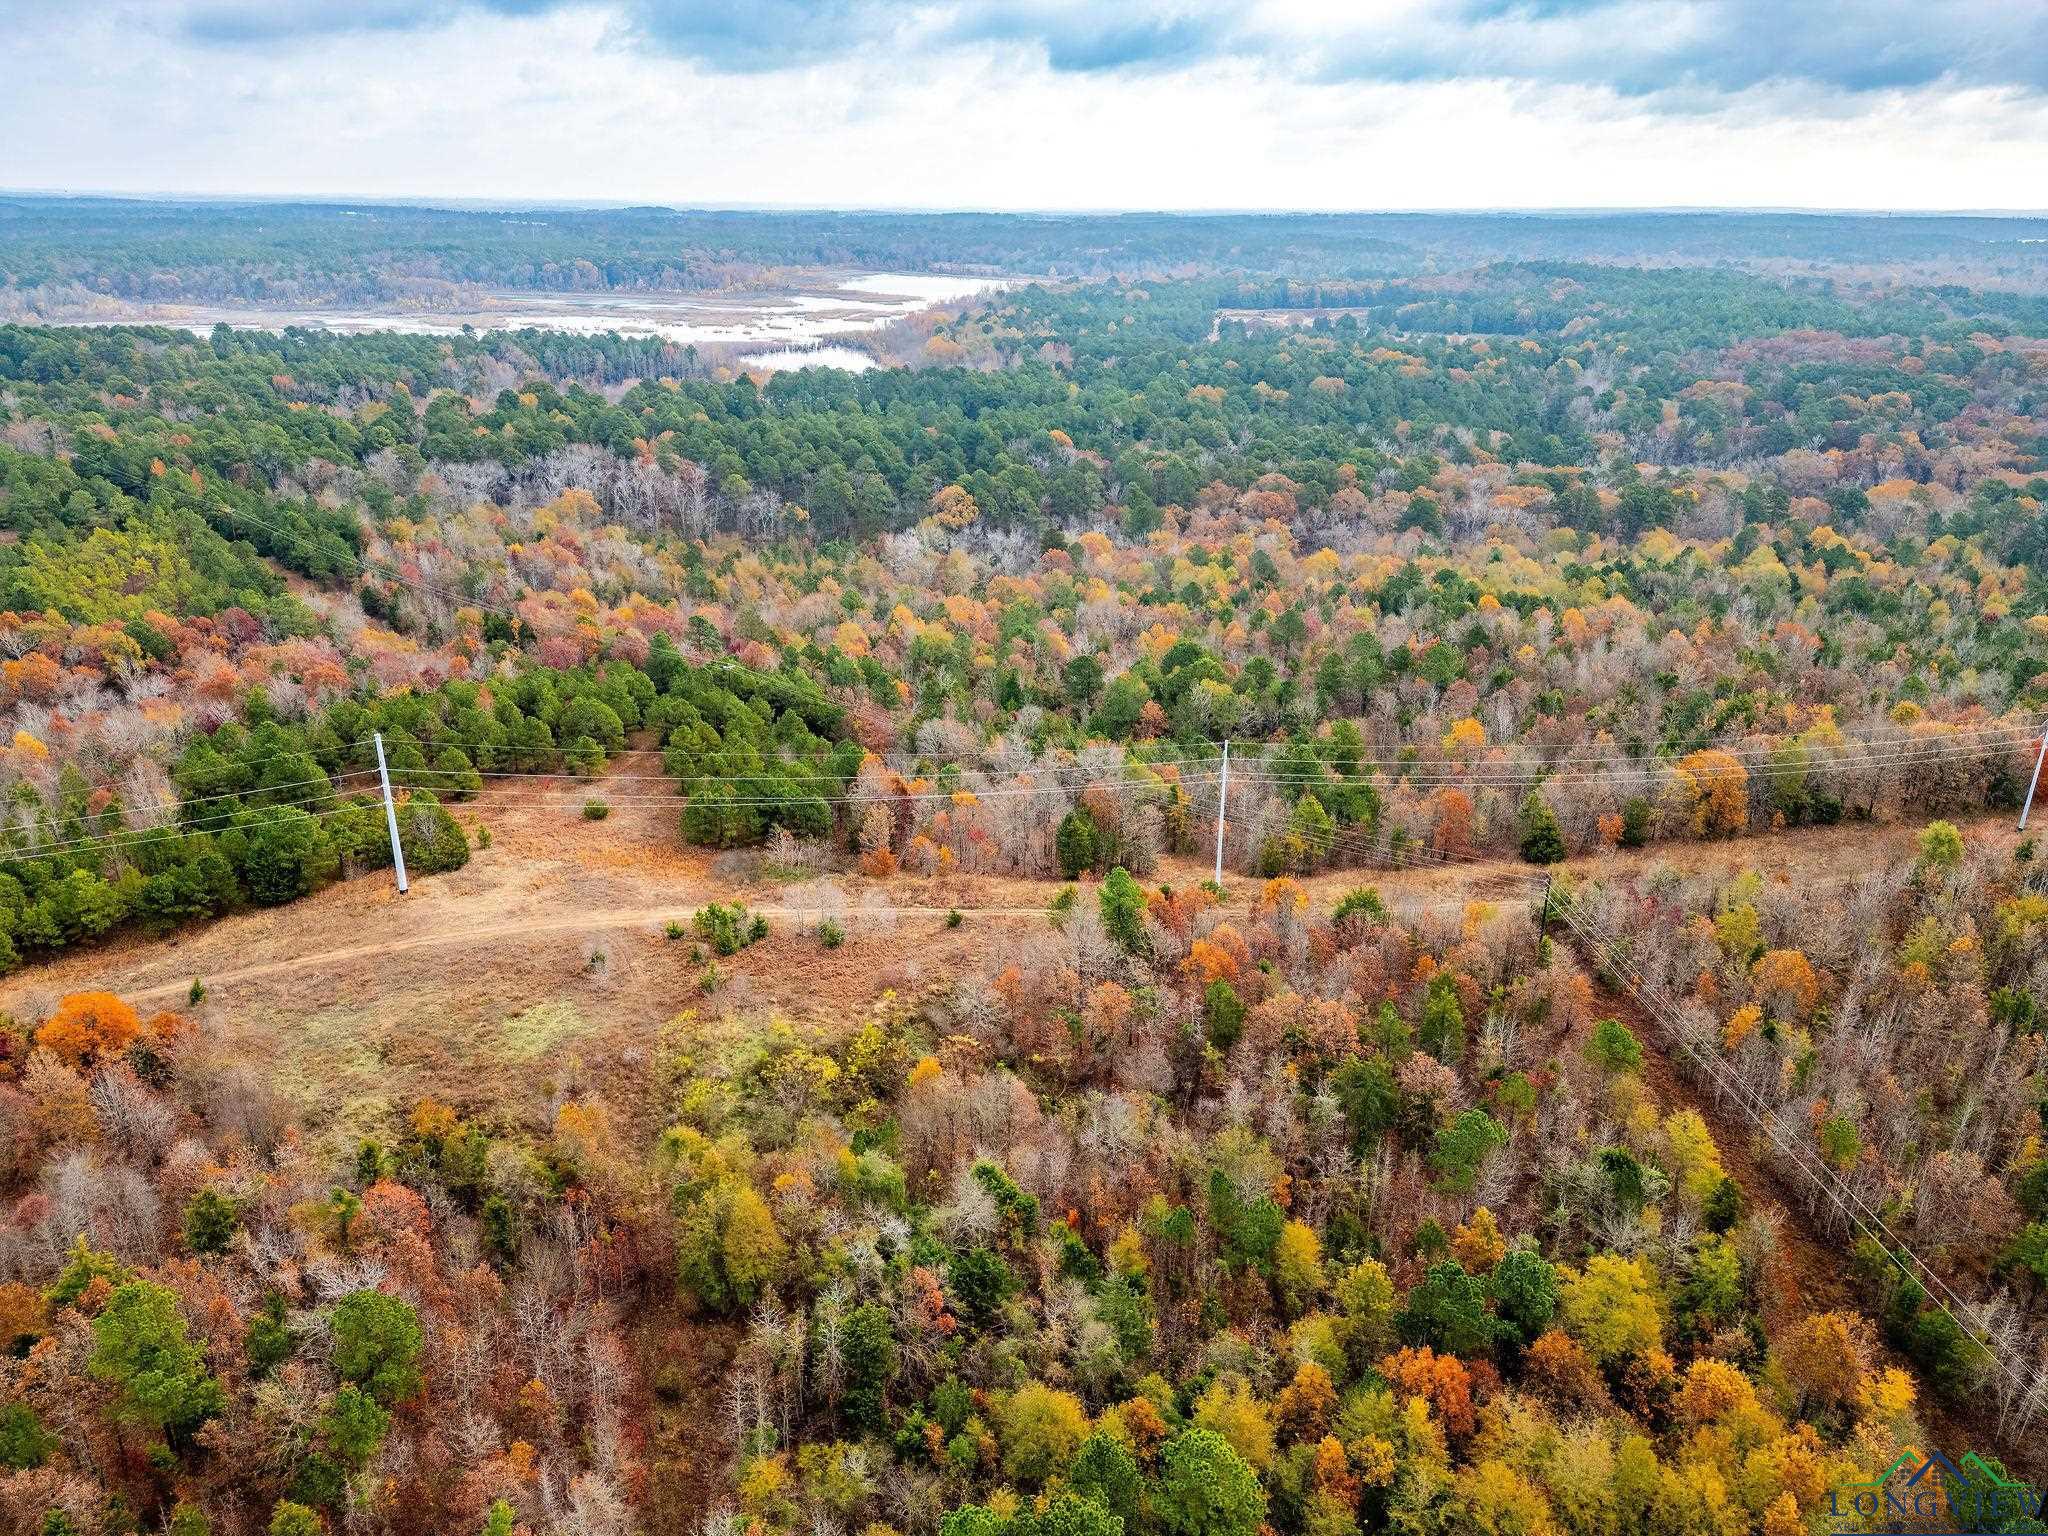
(1543, 922)
(2034, 783)
(390, 812)
(1222, 801)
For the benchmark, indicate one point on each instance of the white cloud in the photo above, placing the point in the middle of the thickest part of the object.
(572, 103)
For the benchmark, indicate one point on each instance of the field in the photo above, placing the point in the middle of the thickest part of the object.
(547, 952)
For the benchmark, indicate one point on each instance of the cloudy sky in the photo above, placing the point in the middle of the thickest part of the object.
(1040, 103)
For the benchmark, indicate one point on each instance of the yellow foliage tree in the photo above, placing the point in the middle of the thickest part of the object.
(1613, 1306)
(753, 1249)
(1497, 1500)
(1694, 1158)
(1233, 1411)
(1464, 738)
(1785, 983)
(1042, 1428)
(1478, 1244)
(1824, 1355)
(1298, 1264)
(1306, 1404)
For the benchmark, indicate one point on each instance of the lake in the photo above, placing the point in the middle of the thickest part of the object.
(786, 329)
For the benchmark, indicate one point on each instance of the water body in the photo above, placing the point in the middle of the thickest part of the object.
(826, 356)
(792, 329)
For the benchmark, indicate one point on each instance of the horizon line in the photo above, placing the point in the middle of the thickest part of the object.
(468, 204)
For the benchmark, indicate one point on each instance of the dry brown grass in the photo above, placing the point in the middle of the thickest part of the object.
(543, 961)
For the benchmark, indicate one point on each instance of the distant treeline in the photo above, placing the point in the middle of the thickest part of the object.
(310, 253)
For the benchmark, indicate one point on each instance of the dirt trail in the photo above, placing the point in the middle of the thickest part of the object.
(550, 872)
(544, 961)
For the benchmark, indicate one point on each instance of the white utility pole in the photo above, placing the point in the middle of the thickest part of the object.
(2035, 782)
(390, 812)
(1222, 802)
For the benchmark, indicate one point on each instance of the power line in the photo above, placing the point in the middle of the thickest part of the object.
(128, 836)
(1737, 751)
(1845, 1198)
(1108, 786)
(1437, 775)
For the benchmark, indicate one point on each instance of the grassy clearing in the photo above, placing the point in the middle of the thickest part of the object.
(334, 1067)
(531, 1035)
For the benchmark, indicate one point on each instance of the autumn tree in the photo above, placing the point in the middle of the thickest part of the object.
(1042, 1429)
(1713, 791)
(88, 1027)
(1613, 1306)
(1826, 1355)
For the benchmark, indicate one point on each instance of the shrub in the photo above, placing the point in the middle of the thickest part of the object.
(595, 810)
(290, 1519)
(726, 928)
(830, 934)
(1363, 902)
(1941, 846)
(211, 1221)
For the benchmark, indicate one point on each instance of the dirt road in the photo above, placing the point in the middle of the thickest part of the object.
(546, 953)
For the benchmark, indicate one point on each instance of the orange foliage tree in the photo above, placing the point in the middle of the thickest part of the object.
(1440, 1380)
(1453, 835)
(89, 1026)
(1713, 789)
